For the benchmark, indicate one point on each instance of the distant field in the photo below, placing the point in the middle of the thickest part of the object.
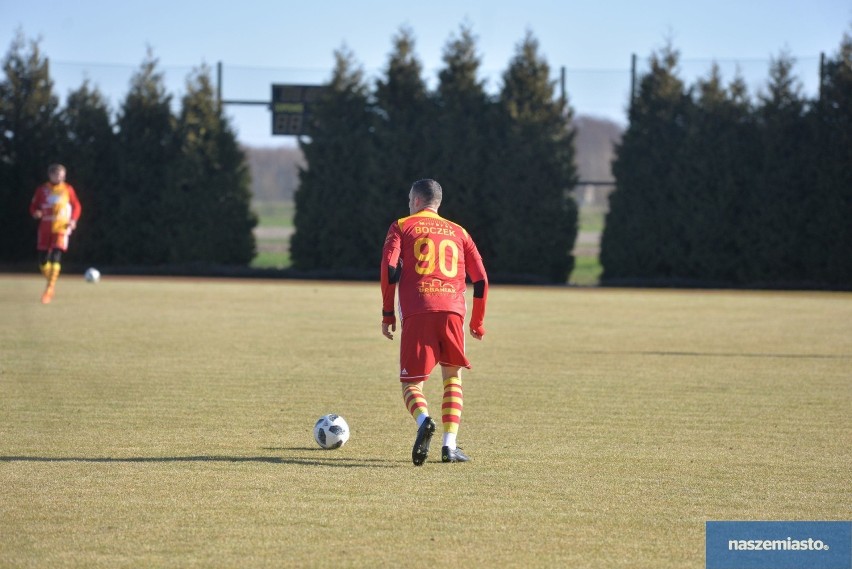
(587, 266)
(167, 423)
(587, 271)
(275, 227)
(275, 214)
(592, 219)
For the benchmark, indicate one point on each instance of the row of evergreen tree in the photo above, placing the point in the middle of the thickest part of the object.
(157, 187)
(505, 161)
(713, 188)
(164, 188)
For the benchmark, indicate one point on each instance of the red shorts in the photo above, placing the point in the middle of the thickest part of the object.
(429, 339)
(48, 240)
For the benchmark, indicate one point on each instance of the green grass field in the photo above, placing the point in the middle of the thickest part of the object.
(591, 219)
(274, 228)
(167, 423)
(587, 271)
(275, 214)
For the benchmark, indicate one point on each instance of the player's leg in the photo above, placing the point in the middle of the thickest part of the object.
(417, 359)
(453, 360)
(55, 267)
(415, 401)
(55, 257)
(44, 264)
(451, 411)
(416, 404)
(452, 404)
(43, 238)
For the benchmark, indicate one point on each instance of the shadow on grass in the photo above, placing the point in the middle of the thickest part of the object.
(336, 461)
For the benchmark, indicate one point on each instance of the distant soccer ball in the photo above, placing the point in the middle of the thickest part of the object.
(92, 275)
(331, 431)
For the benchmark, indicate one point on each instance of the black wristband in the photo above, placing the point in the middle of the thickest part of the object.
(479, 289)
(390, 313)
(394, 273)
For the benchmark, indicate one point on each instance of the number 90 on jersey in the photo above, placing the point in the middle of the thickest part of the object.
(443, 257)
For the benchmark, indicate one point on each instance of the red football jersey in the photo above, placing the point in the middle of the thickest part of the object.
(59, 206)
(436, 255)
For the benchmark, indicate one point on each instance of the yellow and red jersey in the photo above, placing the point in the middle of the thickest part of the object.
(58, 204)
(430, 256)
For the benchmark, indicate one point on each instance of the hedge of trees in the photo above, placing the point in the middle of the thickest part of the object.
(715, 188)
(157, 187)
(505, 161)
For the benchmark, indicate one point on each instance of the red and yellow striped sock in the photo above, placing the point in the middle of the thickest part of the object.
(53, 270)
(54, 275)
(415, 402)
(451, 409)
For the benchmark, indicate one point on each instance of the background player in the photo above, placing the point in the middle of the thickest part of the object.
(429, 256)
(56, 205)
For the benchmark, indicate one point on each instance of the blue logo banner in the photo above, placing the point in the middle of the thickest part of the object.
(778, 545)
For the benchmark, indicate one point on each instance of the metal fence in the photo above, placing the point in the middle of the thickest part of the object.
(603, 93)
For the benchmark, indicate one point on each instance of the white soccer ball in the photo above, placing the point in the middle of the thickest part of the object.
(92, 275)
(331, 431)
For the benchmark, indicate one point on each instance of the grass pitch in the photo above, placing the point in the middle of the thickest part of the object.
(168, 423)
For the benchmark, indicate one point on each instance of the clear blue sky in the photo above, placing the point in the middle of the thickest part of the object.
(265, 42)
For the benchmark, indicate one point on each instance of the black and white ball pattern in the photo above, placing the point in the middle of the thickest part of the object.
(331, 431)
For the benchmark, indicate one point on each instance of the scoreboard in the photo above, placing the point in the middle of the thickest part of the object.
(291, 108)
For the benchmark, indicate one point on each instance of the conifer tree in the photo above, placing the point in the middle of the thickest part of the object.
(716, 174)
(30, 139)
(643, 237)
(538, 223)
(466, 141)
(93, 153)
(339, 176)
(210, 204)
(405, 151)
(141, 232)
(832, 170)
(782, 203)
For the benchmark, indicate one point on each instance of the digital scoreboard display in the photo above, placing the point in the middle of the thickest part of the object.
(291, 108)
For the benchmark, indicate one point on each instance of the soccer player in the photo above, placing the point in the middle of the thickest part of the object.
(429, 256)
(56, 205)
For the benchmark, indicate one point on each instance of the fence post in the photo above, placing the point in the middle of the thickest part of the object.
(632, 79)
(219, 85)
